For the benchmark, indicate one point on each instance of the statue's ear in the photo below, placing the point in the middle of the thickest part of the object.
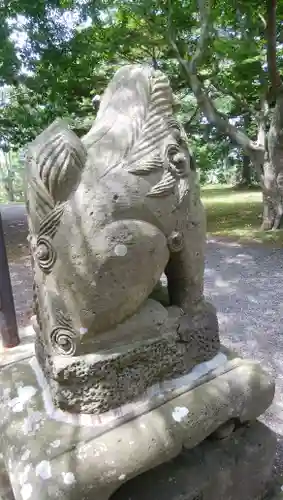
(56, 160)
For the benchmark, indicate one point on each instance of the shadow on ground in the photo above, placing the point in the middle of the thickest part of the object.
(245, 285)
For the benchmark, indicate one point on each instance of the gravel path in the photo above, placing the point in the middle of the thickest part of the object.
(245, 283)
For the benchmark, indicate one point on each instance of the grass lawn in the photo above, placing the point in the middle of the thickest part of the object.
(236, 214)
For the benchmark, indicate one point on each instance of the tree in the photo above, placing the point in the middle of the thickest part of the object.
(11, 176)
(221, 53)
(266, 152)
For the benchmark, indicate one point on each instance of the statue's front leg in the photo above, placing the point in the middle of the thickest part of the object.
(185, 269)
(185, 275)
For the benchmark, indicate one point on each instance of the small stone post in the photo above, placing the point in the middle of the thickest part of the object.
(8, 321)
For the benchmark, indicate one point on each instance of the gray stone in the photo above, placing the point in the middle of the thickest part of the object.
(108, 215)
(6, 492)
(126, 373)
(96, 383)
(53, 454)
(237, 468)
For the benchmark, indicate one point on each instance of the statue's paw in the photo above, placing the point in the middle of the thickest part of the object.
(225, 430)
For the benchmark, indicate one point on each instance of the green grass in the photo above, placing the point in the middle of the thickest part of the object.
(236, 214)
(7, 202)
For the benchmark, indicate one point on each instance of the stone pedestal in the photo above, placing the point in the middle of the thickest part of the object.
(236, 468)
(120, 367)
(52, 454)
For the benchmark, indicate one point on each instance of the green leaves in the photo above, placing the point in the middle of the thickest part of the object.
(72, 48)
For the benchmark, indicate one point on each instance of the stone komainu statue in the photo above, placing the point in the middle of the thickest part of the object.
(139, 377)
(108, 214)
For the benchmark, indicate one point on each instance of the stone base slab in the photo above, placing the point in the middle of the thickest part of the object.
(236, 468)
(97, 383)
(51, 454)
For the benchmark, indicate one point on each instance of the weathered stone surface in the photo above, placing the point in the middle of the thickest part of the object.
(108, 215)
(51, 454)
(246, 458)
(6, 492)
(236, 468)
(100, 382)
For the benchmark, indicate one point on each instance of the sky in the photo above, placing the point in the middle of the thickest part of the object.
(19, 37)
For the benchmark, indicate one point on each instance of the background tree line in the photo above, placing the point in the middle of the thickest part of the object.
(223, 59)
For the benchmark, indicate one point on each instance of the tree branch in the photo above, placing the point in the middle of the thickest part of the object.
(192, 117)
(204, 10)
(273, 72)
(254, 150)
(241, 103)
(188, 123)
(154, 59)
(262, 117)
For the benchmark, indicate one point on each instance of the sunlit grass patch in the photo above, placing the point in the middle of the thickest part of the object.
(236, 214)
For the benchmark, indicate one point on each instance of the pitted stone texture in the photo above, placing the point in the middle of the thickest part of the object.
(97, 383)
(236, 468)
(6, 492)
(49, 459)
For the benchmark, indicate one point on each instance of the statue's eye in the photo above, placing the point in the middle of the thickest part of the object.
(177, 135)
(179, 159)
(171, 151)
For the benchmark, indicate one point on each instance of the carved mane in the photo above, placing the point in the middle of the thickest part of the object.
(55, 161)
(132, 107)
(136, 114)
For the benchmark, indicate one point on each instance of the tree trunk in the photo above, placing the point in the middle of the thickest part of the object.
(273, 166)
(246, 178)
(246, 175)
(268, 161)
(9, 188)
(9, 181)
(273, 171)
(268, 195)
